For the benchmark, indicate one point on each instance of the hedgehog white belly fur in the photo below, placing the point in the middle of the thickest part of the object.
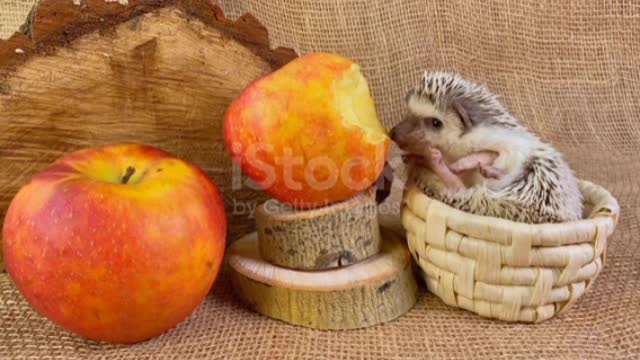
(538, 186)
(545, 193)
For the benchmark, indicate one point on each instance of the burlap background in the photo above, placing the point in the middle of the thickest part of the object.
(12, 15)
(568, 69)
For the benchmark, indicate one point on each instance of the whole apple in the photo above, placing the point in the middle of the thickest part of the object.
(117, 243)
(308, 133)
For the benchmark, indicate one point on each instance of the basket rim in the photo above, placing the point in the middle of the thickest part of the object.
(604, 218)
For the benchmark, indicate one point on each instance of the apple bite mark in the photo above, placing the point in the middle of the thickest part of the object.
(353, 100)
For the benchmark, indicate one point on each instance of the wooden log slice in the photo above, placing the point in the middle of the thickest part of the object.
(376, 290)
(332, 236)
(156, 72)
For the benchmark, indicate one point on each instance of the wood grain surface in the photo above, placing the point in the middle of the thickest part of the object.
(160, 73)
(375, 290)
(333, 236)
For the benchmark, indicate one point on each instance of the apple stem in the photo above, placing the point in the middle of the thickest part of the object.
(128, 174)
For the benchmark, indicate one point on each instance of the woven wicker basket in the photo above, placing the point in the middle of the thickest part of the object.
(503, 269)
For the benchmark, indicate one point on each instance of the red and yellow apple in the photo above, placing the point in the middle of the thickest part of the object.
(116, 243)
(308, 133)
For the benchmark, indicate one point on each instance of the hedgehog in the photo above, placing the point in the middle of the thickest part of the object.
(466, 150)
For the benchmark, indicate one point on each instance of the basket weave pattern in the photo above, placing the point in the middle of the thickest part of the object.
(503, 269)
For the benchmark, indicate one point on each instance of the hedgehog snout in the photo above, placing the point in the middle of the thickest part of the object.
(400, 133)
(409, 136)
(394, 133)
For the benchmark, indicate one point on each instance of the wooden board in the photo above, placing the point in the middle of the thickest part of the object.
(328, 237)
(376, 290)
(155, 72)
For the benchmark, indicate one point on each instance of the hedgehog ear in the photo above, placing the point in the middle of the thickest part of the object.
(463, 114)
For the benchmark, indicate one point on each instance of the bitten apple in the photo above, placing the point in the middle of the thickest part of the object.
(116, 243)
(308, 133)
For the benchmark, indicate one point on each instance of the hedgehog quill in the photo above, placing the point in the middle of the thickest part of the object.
(465, 149)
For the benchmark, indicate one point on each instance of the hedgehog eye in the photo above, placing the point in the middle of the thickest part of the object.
(436, 123)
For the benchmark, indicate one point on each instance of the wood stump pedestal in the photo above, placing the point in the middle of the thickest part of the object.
(327, 268)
